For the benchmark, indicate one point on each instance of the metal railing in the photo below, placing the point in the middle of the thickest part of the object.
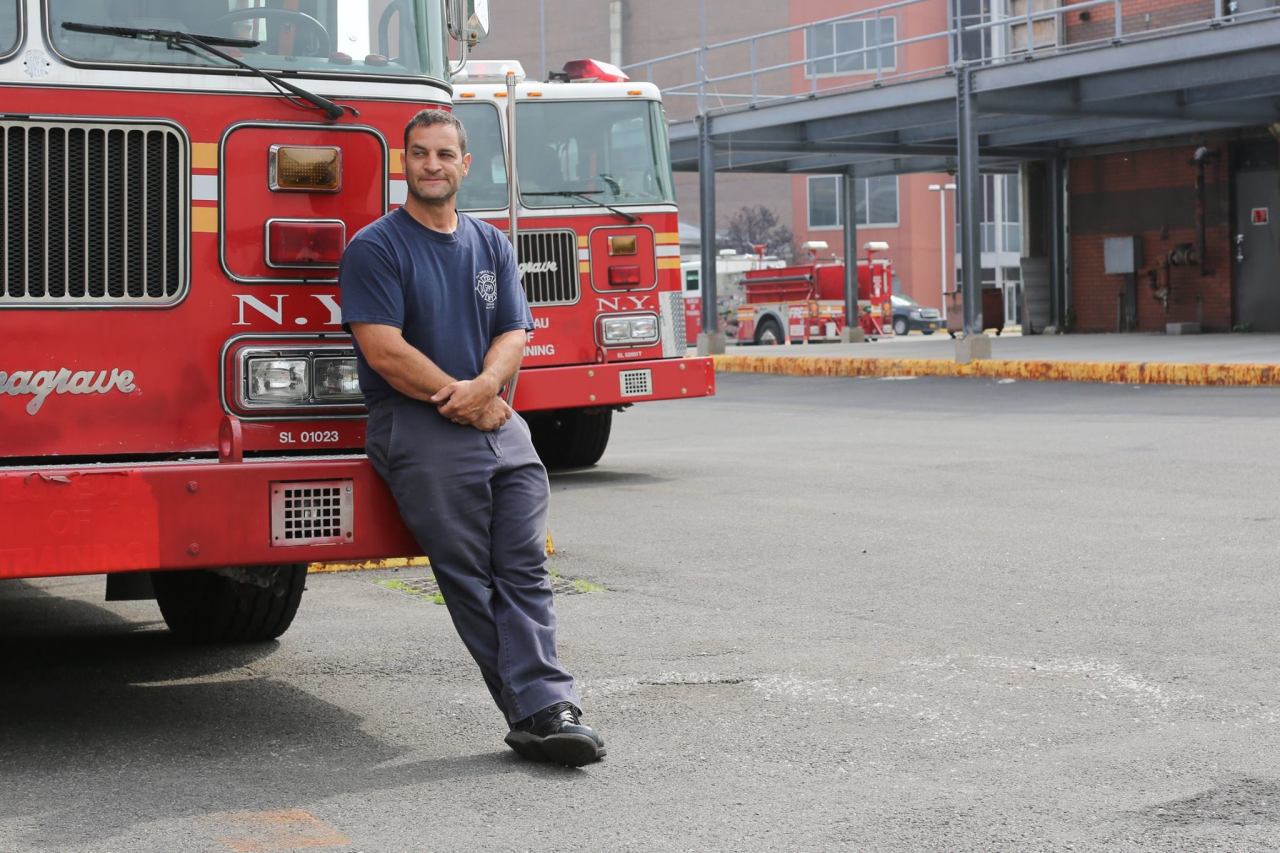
(761, 68)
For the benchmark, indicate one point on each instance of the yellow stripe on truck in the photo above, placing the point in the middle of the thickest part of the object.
(204, 155)
(204, 220)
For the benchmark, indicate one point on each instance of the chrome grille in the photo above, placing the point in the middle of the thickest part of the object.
(95, 214)
(675, 309)
(312, 513)
(549, 266)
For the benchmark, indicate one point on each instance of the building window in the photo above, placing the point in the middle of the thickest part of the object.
(841, 47)
(1001, 227)
(877, 202)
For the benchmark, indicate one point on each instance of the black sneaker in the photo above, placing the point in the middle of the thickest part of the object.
(556, 734)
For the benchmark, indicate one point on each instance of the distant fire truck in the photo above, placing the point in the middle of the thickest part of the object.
(730, 267)
(806, 302)
(178, 401)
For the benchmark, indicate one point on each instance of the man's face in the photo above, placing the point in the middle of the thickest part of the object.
(434, 164)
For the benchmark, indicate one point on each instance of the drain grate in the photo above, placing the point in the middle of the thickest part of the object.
(426, 587)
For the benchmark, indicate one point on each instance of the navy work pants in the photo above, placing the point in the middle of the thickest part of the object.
(477, 504)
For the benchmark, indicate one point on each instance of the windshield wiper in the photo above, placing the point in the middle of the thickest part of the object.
(179, 40)
(585, 195)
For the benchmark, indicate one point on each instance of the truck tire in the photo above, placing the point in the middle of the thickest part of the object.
(900, 326)
(768, 332)
(570, 438)
(215, 607)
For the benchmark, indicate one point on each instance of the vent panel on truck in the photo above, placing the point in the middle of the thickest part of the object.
(549, 267)
(96, 214)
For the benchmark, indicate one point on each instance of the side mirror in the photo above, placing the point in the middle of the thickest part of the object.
(468, 20)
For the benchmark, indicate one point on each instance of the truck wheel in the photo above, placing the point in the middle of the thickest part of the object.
(768, 332)
(900, 326)
(242, 605)
(571, 438)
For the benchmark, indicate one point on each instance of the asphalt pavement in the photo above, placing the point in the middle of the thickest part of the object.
(806, 614)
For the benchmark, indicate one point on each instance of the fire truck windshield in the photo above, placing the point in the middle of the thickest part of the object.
(8, 27)
(486, 185)
(403, 38)
(592, 153)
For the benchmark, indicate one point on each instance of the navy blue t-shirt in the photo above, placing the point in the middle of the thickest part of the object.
(449, 294)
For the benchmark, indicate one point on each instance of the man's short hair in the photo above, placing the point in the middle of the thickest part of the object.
(429, 117)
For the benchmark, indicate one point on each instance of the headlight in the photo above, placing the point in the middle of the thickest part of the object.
(636, 329)
(914, 315)
(318, 377)
(278, 380)
(337, 380)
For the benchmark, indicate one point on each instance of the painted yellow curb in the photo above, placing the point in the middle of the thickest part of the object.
(368, 565)
(1122, 372)
(389, 562)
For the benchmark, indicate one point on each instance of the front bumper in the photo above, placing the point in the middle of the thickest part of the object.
(73, 520)
(614, 383)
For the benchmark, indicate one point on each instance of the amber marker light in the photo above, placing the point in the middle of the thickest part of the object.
(620, 244)
(305, 168)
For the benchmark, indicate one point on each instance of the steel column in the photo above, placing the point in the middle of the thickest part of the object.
(1057, 240)
(969, 191)
(707, 212)
(849, 201)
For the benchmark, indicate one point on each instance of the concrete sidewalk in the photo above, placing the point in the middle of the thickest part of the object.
(1138, 359)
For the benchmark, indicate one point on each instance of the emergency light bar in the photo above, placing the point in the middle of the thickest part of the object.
(594, 69)
(489, 71)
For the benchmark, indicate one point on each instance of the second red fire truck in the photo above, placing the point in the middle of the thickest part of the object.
(597, 244)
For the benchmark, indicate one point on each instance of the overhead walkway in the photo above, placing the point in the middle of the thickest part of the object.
(1097, 73)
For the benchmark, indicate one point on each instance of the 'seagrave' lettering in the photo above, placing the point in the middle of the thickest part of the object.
(538, 267)
(41, 383)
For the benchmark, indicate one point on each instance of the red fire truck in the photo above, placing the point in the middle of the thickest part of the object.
(178, 401)
(597, 243)
(806, 302)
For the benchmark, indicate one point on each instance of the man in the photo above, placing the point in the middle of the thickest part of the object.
(434, 301)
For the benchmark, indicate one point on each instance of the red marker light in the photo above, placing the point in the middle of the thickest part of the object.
(624, 276)
(305, 242)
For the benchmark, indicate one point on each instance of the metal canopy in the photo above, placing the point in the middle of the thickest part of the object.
(1215, 78)
(988, 108)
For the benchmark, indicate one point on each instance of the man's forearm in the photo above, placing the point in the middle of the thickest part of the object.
(409, 371)
(503, 358)
(465, 401)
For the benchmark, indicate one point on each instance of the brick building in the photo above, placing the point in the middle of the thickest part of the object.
(1192, 191)
(1183, 170)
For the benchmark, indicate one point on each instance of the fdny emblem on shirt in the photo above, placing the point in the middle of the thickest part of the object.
(487, 287)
